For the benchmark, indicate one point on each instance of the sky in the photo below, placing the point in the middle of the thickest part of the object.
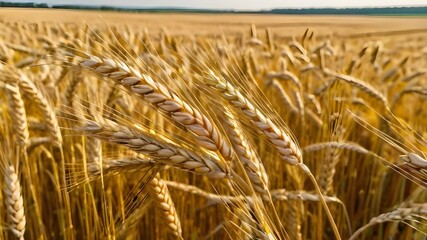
(241, 4)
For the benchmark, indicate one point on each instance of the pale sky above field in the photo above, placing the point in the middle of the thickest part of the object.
(241, 4)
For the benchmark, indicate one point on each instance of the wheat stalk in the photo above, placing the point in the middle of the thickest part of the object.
(295, 221)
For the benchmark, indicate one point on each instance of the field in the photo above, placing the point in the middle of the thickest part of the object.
(212, 126)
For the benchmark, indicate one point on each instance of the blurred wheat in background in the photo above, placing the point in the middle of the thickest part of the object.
(118, 132)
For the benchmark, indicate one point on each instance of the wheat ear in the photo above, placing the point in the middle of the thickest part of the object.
(285, 75)
(399, 215)
(296, 209)
(328, 169)
(17, 113)
(298, 47)
(414, 75)
(246, 154)
(157, 148)
(415, 160)
(30, 89)
(14, 202)
(276, 195)
(408, 90)
(24, 49)
(76, 78)
(313, 117)
(242, 225)
(364, 86)
(160, 96)
(339, 145)
(161, 197)
(281, 140)
(111, 167)
(284, 97)
(122, 231)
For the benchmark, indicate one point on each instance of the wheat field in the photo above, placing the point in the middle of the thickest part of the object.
(190, 126)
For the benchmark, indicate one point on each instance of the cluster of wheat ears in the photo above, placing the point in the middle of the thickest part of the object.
(112, 132)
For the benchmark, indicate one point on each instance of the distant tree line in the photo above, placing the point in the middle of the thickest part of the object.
(24, 4)
(355, 11)
(315, 11)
